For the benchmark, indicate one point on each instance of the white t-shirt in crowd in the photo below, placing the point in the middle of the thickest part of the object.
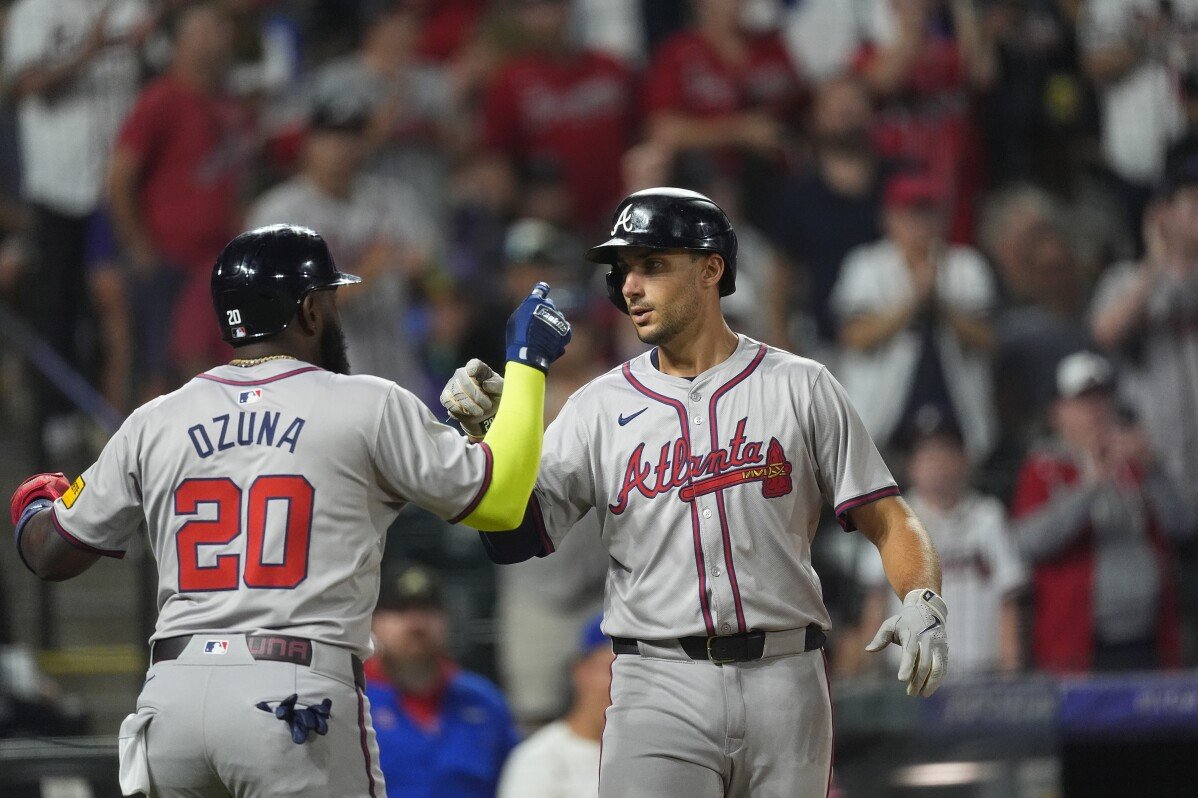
(67, 135)
(552, 763)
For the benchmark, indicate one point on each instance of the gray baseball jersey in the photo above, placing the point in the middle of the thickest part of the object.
(709, 489)
(266, 492)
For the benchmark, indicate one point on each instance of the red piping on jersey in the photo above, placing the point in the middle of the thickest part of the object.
(847, 506)
(713, 424)
(699, 564)
(832, 710)
(365, 743)
(538, 521)
(264, 381)
(478, 497)
(79, 544)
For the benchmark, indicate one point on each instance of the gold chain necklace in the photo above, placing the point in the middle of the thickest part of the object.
(242, 362)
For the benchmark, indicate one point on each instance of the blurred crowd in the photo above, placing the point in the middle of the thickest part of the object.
(982, 215)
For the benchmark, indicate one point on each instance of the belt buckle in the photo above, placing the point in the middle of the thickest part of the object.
(713, 657)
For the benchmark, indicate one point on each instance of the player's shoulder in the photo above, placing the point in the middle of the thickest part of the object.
(779, 361)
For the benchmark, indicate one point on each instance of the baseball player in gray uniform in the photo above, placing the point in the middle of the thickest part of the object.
(709, 458)
(266, 487)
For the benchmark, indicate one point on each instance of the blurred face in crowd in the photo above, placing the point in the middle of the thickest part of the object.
(204, 39)
(544, 22)
(664, 289)
(913, 228)
(1181, 222)
(723, 13)
(843, 115)
(938, 467)
(412, 636)
(592, 678)
(1085, 421)
(333, 157)
(1052, 270)
(393, 35)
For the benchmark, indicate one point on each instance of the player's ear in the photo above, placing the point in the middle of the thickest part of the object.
(308, 315)
(711, 269)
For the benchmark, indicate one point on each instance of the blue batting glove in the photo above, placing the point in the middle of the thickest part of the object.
(537, 332)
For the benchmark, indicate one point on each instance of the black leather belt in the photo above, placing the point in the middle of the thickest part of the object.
(721, 648)
(270, 648)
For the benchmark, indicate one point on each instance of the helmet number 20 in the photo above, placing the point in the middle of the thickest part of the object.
(291, 495)
(234, 316)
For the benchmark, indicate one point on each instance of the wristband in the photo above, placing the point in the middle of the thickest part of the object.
(33, 508)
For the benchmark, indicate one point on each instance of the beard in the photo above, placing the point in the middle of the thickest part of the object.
(333, 355)
(673, 318)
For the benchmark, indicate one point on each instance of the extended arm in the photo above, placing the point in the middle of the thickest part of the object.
(913, 569)
(908, 556)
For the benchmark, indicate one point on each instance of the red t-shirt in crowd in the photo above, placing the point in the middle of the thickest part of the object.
(576, 111)
(1063, 634)
(689, 76)
(193, 148)
(928, 125)
(449, 24)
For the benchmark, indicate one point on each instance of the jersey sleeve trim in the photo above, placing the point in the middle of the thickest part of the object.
(478, 497)
(79, 544)
(263, 381)
(538, 521)
(844, 508)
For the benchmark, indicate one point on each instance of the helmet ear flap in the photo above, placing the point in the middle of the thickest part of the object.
(615, 289)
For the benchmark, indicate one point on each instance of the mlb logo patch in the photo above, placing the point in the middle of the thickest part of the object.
(239, 332)
(219, 647)
(249, 397)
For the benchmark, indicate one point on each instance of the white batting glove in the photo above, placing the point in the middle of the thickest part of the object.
(919, 629)
(472, 397)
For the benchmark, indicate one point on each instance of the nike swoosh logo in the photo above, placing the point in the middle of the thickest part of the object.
(625, 419)
(930, 627)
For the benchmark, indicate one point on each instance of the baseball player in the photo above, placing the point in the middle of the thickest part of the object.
(708, 459)
(266, 487)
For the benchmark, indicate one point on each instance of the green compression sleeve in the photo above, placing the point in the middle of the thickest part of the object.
(515, 442)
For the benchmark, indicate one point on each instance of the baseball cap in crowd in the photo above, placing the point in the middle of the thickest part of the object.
(1084, 372)
(410, 587)
(592, 637)
(538, 241)
(346, 114)
(929, 423)
(913, 190)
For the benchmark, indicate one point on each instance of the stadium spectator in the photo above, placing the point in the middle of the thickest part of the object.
(414, 124)
(915, 325)
(173, 186)
(719, 92)
(1092, 513)
(1134, 51)
(983, 572)
(924, 59)
(375, 227)
(827, 208)
(1147, 312)
(1040, 322)
(556, 103)
(1039, 103)
(441, 730)
(822, 36)
(562, 759)
(73, 70)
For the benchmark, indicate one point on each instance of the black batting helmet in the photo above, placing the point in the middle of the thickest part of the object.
(667, 218)
(261, 277)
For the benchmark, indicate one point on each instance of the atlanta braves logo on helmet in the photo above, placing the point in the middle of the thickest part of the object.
(624, 221)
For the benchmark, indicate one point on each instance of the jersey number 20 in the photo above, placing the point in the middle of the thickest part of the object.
(226, 574)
